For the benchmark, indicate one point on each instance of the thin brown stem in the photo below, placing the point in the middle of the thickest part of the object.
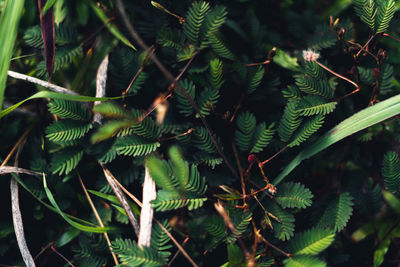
(243, 185)
(62, 256)
(17, 144)
(177, 253)
(390, 36)
(366, 44)
(96, 214)
(273, 156)
(275, 247)
(171, 78)
(179, 135)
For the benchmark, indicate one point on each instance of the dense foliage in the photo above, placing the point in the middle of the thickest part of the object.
(270, 129)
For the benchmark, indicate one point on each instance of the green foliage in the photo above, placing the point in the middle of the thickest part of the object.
(284, 228)
(304, 261)
(290, 121)
(377, 14)
(64, 161)
(67, 130)
(184, 106)
(311, 242)
(313, 105)
(135, 146)
(68, 109)
(293, 195)
(337, 213)
(391, 171)
(195, 19)
(310, 126)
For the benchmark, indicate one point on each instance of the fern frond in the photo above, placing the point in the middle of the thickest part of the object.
(219, 46)
(194, 20)
(202, 140)
(135, 146)
(66, 160)
(215, 226)
(386, 79)
(108, 153)
(67, 130)
(292, 91)
(184, 106)
(338, 212)
(262, 137)
(321, 38)
(33, 37)
(294, 195)
(304, 261)
(314, 70)
(391, 171)
(366, 76)
(68, 109)
(180, 167)
(242, 224)
(64, 34)
(207, 99)
(365, 9)
(63, 58)
(130, 254)
(246, 123)
(170, 38)
(290, 120)
(209, 160)
(196, 184)
(165, 202)
(313, 105)
(313, 86)
(312, 241)
(309, 127)
(284, 229)
(160, 172)
(214, 20)
(384, 13)
(144, 127)
(159, 239)
(216, 78)
(254, 77)
(110, 110)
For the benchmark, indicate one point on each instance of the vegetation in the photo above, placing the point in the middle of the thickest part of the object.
(200, 133)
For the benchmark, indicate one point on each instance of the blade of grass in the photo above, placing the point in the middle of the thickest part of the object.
(359, 121)
(47, 94)
(9, 21)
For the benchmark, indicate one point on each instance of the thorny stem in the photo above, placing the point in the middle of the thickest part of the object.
(62, 256)
(171, 78)
(366, 44)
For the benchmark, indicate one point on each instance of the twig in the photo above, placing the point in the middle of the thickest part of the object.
(366, 44)
(243, 185)
(17, 144)
(390, 36)
(275, 247)
(177, 253)
(171, 78)
(96, 214)
(273, 156)
(16, 212)
(101, 80)
(137, 201)
(62, 256)
(121, 197)
(146, 214)
(11, 169)
(50, 86)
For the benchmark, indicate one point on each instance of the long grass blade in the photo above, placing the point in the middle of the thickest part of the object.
(359, 121)
(9, 21)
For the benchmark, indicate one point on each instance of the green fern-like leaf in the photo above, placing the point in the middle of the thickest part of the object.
(254, 77)
(67, 130)
(183, 104)
(207, 100)
(321, 38)
(314, 70)
(284, 229)
(130, 254)
(366, 76)
(170, 38)
(219, 46)
(180, 167)
(262, 137)
(145, 127)
(386, 79)
(194, 20)
(313, 105)
(68, 109)
(214, 20)
(304, 261)
(216, 78)
(292, 92)
(312, 241)
(313, 86)
(294, 195)
(166, 201)
(290, 121)
(64, 34)
(207, 159)
(338, 212)
(160, 240)
(384, 13)
(391, 171)
(246, 123)
(202, 140)
(309, 127)
(160, 172)
(66, 160)
(135, 146)
(196, 184)
(365, 9)
(63, 58)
